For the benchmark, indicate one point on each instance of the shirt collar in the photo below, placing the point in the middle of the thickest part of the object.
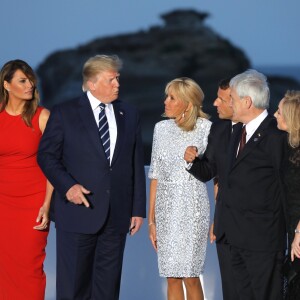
(95, 102)
(254, 124)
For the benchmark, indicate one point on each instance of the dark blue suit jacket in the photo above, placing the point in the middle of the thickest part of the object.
(214, 163)
(71, 152)
(250, 201)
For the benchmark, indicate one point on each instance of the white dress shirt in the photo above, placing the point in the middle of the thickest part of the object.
(254, 124)
(112, 124)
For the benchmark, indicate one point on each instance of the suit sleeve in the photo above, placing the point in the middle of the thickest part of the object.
(154, 165)
(139, 197)
(204, 167)
(50, 154)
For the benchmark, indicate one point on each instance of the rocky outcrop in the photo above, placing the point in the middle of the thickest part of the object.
(183, 46)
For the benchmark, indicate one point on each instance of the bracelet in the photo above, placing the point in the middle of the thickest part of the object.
(297, 230)
(151, 223)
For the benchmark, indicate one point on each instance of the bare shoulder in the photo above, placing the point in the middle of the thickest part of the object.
(43, 118)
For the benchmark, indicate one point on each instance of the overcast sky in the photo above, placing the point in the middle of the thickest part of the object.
(267, 30)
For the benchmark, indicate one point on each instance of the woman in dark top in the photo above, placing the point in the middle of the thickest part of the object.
(288, 119)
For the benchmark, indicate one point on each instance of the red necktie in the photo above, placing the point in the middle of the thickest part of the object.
(243, 140)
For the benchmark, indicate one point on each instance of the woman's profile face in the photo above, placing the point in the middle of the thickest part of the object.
(281, 123)
(174, 107)
(20, 87)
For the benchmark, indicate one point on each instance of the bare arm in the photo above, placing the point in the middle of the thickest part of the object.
(151, 213)
(43, 214)
(43, 119)
(212, 237)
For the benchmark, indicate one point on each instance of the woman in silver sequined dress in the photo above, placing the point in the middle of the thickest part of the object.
(179, 206)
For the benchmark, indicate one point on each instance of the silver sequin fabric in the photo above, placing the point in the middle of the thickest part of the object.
(181, 205)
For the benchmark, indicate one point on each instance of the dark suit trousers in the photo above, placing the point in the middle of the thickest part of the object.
(89, 266)
(228, 285)
(258, 275)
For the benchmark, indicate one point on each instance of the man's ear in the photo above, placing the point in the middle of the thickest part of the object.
(91, 85)
(248, 101)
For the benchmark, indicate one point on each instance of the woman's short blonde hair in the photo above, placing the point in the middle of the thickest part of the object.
(188, 91)
(291, 115)
(98, 64)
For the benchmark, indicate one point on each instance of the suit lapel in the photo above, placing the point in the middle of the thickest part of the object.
(120, 116)
(255, 139)
(87, 117)
(233, 143)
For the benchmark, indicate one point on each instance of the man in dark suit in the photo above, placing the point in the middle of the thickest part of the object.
(213, 165)
(91, 152)
(251, 194)
(253, 203)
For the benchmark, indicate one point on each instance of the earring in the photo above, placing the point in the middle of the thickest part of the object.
(183, 115)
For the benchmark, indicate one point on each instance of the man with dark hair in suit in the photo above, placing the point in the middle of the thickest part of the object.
(252, 196)
(213, 162)
(92, 153)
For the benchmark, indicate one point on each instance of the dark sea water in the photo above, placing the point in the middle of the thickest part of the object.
(286, 71)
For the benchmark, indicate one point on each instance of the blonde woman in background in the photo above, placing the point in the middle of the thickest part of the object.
(288, 119)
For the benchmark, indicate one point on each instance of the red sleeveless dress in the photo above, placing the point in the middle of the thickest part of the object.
(22, 193)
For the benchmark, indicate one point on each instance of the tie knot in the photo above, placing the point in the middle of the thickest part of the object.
(244, 130)
(102, 106)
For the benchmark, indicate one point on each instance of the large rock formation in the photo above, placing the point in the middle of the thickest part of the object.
(183, 46)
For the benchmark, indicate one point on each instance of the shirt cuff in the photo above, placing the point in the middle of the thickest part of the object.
(188, 165)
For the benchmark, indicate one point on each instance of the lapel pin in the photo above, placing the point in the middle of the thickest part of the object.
(121, 113)
(257, 138)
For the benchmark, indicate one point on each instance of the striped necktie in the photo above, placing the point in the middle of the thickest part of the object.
(104, 130)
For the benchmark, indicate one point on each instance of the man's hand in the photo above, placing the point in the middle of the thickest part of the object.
(135, 225)
(76, 195)
(190, 154)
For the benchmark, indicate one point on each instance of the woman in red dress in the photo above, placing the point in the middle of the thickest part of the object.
(24, 191)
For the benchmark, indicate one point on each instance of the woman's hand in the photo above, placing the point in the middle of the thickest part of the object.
(152, 235)
(212, 236)
(295, 251)
(42, 218)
